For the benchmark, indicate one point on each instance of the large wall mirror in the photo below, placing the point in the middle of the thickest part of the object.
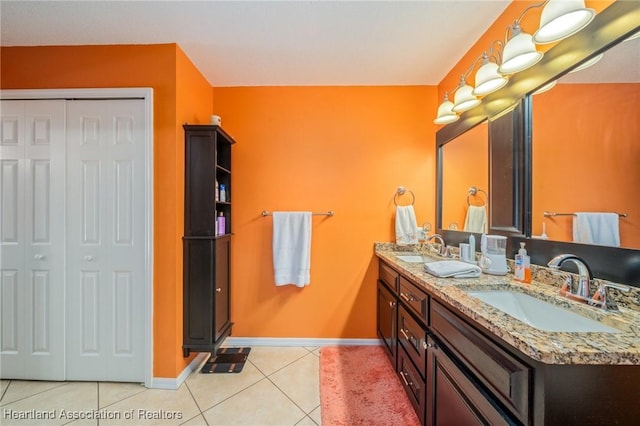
(465, 180)
(585, 148)
(586, 152)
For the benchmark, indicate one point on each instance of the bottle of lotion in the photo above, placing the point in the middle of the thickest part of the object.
(222, 229)
(523, 265)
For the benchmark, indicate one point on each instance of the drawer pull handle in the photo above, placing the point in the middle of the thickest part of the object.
(408, 297)
(404, 333)
(88, 258)
(39, 256)
(404, 379)
(218, 290)
(392, 304)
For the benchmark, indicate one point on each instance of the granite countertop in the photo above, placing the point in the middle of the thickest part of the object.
(549, 347)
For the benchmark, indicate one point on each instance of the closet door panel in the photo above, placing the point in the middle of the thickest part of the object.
(32, 147)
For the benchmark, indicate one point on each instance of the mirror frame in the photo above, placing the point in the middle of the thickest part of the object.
(613, 24)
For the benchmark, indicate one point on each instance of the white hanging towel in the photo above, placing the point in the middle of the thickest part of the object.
(406, 226)
(476, 220)
(292, 248)
(596, 228)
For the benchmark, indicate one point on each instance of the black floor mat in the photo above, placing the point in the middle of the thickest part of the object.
(226, 360)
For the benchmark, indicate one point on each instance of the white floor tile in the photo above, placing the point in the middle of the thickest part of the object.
(64, 403)
(19, 389)
(271, 359)
(315, 416)
(306, 422)
(196, 421)
(300, 381)
(110, 392)
(155, 407)
(211, 389)
(261, 404)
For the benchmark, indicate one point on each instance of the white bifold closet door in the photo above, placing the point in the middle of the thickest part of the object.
(105, 240)
(32, 239)
(72, 237)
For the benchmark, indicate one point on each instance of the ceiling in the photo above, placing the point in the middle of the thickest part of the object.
(267, 43)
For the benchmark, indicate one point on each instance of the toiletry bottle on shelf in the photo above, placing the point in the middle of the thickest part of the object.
(472, 248)
(222, 228)
(217, 191)
(523, 265)
(223, 193)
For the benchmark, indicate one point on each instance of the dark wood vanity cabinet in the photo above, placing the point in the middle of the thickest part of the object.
(206, 247)
(457, 385)
(386, 319)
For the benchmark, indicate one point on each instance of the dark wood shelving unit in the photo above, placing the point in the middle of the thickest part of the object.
(207, 253)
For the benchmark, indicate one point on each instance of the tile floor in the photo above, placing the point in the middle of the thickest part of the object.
(278, 386)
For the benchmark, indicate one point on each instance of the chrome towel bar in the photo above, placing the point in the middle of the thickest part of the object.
(329, 213)
(552, 214)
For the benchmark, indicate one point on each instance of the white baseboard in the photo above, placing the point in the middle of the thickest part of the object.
(172, 384)
(297, 341)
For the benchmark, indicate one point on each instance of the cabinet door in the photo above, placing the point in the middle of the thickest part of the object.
(198, 295)
(223, 278)
(199, 191)
(386, 321)
(453, 399)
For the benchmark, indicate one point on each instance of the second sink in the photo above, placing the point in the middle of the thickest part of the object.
(540, 314)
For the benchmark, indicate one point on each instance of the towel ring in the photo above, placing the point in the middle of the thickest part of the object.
(474, 191)
(401, 191)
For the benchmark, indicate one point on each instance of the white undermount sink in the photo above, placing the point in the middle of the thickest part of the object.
(540, 314)
(410, 258)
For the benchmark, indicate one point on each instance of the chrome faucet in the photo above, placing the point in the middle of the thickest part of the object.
(443, 247)
(584, 273)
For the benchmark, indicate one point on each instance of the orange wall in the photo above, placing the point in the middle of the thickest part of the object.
(496, 31)
(578, 129)
(465, 164)
(180, 94)
(344, 149)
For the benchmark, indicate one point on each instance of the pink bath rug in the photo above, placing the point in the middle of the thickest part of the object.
(359, 387)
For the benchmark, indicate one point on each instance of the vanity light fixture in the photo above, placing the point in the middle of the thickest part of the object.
(562, 18)
(464, 98)
(488, 78)
(445, 112)
(520, 52)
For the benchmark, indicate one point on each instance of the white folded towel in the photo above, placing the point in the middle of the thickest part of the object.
(476, 220)
(452, 268)
(292, 248)
(406, 226)
(596, 228)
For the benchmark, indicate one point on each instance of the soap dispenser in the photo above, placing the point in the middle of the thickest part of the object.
(523, 265)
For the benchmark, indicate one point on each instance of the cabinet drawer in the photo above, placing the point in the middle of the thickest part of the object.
(505, 375)
(412, 336)
(412, 383)
(389, 276)
(415, 299)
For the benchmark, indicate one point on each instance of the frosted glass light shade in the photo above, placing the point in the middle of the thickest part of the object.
(519, 54)
(562, 18)
(488, 79)
(464, 99)
(546, 87)
(445, 113)
(588, 63)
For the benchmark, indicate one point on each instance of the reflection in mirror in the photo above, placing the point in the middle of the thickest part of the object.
(586, 151)
(465, 165)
